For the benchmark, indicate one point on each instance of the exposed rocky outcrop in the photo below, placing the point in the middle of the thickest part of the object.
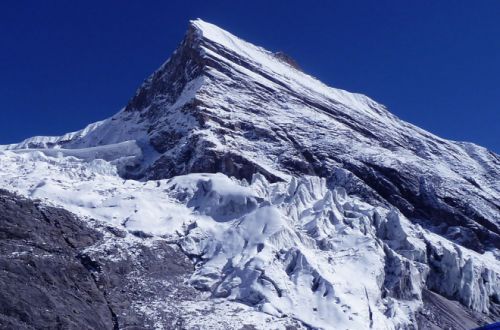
(43, 283)
(441, 313)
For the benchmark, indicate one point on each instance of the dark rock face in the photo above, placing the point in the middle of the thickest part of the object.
(48, 280)
(43, 284)
(135, 278)
(287, 59)
(441, 313)
(169, 81)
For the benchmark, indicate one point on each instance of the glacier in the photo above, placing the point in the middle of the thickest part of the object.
(298, 205)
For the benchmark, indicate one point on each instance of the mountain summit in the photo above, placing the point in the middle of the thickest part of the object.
(220, 104)
(325, 184)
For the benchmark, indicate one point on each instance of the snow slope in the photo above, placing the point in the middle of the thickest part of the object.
(287, 249)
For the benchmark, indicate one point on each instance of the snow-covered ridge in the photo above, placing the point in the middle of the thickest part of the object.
(273, 66)
(46, 142)
(108, 152)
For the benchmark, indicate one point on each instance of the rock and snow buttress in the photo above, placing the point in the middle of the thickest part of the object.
(273, 200)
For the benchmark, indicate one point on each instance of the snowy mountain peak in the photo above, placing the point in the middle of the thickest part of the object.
(281, 188)
(220, 104)
(211, 33)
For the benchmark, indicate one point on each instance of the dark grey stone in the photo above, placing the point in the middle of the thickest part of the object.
(441, 313)
(43, 285)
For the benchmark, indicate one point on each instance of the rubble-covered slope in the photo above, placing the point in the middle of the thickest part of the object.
(41, 270)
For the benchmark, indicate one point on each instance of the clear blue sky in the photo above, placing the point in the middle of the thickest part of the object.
(436, 64)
